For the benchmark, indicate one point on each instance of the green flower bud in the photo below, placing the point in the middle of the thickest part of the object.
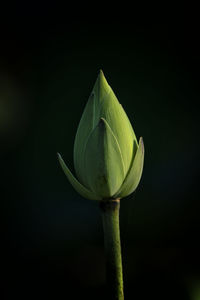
(107, 157)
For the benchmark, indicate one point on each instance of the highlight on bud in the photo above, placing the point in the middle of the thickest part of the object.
(108, 160)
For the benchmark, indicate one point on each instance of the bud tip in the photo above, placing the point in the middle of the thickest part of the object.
(101, 72)
(101, 75)
(142, 143)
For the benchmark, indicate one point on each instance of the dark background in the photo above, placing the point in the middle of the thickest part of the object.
(52, 241)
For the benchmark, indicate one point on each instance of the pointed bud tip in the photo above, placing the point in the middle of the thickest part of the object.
(102, 78)
(101, 75)
(142, 143)
(58, 155)
(101, 85)
(101, 72)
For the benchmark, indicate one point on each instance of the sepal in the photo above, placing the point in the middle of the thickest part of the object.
(134, 175)
(83, 191)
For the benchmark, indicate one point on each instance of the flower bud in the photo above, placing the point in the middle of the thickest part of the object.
(108, 160)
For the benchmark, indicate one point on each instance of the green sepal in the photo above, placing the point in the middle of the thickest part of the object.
(83, 191)
(104, 167)
(85, 127)
(134, 175)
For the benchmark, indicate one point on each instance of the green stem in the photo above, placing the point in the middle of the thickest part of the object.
(110, 216)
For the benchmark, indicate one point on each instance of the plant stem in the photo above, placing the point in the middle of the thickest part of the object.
(110, 215)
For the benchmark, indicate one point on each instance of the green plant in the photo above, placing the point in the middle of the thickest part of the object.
(108, 162)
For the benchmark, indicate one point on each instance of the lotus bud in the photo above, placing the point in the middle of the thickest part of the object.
(108, 160)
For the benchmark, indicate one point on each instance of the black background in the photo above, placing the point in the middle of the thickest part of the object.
(52, 239)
